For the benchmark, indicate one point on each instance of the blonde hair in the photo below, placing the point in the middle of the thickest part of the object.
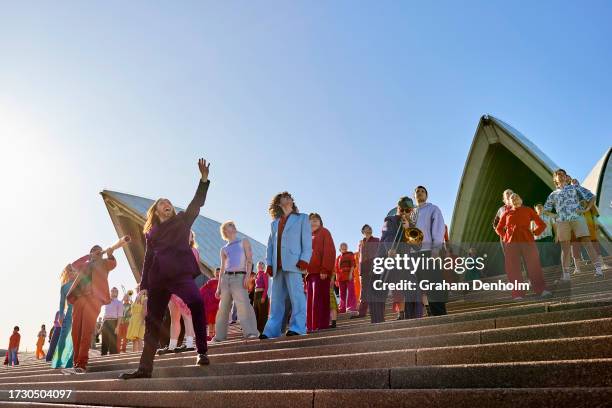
(65, 275)
(152, 217)
(514, 195)
(192, 241)
(222, 229)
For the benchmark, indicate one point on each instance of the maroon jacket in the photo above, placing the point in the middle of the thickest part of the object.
(323, 252)
(168, 256)
(367, 253)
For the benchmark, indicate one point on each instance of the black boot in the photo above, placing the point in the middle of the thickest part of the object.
(202, 360)
(401, 316)
(333, 324)
(140, 373)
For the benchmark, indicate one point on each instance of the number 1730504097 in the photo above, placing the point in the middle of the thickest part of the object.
(39, 394)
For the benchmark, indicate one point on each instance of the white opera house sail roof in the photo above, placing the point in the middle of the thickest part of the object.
(128, 213)
(599, 181)
(501, 157)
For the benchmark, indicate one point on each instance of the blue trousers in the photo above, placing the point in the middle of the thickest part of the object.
(287, 285)
(12, 357)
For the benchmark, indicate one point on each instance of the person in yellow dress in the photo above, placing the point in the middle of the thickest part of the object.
(136, 328)
(42, 335)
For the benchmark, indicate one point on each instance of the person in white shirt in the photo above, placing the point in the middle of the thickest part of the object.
(112, 313)
(546, 241)
(430, 221)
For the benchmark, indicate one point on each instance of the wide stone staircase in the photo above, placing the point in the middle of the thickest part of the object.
(489, 351)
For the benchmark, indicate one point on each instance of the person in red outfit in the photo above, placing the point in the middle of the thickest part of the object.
(261, 303)
(514, 228)
(345, 268)
(88, 294)
(320, 269)
(367, 252)
(211, 303)
(13, 348)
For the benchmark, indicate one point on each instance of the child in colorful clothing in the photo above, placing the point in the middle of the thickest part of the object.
(261, 303)
(565, 201)
(211, 303)
(124, 322)
(345, 267)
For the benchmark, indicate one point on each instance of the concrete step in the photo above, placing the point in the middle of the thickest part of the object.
(594, 347)
(581, 373)
(563, 323)
(496, 397)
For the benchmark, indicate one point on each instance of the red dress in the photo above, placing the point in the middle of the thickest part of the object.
(211, 303)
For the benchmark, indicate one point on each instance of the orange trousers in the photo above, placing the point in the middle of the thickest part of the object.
(122, 329)
(85, 312)
(39, 348)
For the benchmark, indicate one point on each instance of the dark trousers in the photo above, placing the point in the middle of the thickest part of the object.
(437, 308)
(53, 343)
(157, 302)
(366, 285)
(109, 338)
(261, 310)
(413, 310)
(377, 312)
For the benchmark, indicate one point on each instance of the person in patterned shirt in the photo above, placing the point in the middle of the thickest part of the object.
(565, 201)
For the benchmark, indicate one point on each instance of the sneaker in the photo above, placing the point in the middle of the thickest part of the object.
(252, 336)
(566, 277)
(164, 350)
(202, 360)
(215, 340)
(291, 333)
(209, 338)
(263, 337)
(546, 294)
(73, 371)
(183, 349)
(598, 272)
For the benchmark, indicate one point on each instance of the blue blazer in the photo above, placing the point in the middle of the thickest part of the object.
(296, 243)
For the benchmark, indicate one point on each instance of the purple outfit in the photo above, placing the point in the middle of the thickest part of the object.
(169, 268)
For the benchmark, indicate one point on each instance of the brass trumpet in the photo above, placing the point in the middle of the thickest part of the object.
(413, 236)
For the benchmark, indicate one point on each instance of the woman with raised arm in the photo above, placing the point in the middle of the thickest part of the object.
(169, 268)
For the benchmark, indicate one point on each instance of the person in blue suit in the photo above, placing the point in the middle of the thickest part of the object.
(288, 253)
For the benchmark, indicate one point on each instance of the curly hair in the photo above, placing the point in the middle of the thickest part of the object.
(275, 210)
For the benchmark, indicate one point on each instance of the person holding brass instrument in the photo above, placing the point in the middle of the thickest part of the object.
(170, 268)
(429, 220)
(87, 295)
(396, 238)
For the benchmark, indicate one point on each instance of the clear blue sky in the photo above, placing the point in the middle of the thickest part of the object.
(346, 105)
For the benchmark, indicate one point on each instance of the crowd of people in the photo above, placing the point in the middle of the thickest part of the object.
(533, 236)
(303, 283)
